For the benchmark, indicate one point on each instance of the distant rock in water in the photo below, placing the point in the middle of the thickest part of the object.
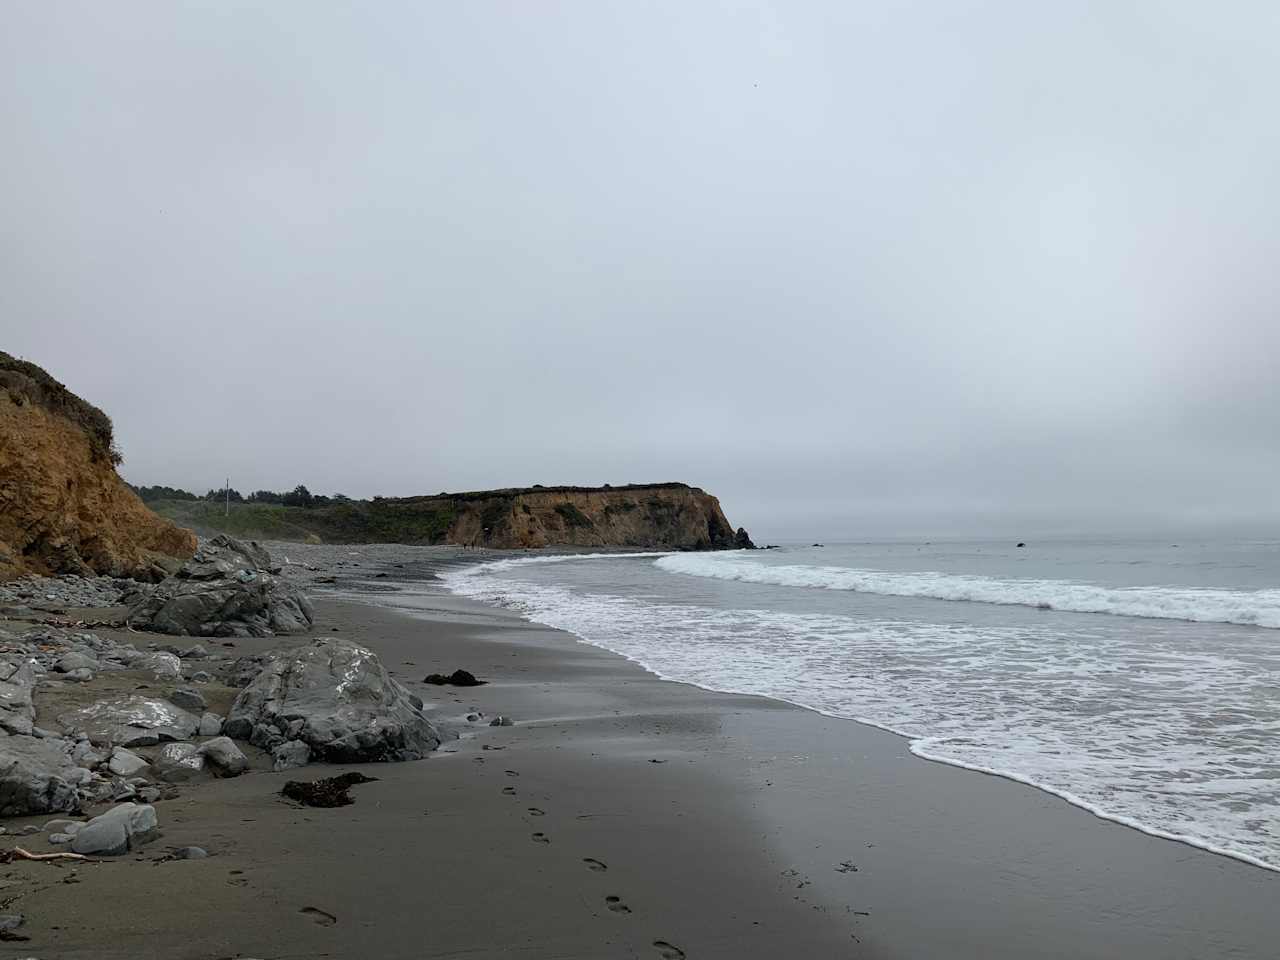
(63, 507)
(228, 589)
(1021, 544)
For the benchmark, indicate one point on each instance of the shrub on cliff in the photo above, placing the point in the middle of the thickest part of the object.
(27, 383)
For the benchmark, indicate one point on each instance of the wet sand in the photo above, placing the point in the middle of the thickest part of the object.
(762, 830)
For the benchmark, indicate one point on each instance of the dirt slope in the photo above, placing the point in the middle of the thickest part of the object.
(63, 508)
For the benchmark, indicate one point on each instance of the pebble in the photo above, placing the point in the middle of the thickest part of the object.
(191, 853)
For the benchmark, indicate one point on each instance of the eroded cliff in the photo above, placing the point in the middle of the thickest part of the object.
(63, 508)
(669, 516)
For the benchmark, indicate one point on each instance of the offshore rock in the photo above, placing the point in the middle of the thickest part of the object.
(228, 589)
(336, 697)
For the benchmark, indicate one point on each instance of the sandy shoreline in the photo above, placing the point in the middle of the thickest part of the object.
(741, 842)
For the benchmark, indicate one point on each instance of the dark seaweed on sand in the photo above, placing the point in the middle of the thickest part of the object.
(327, 792)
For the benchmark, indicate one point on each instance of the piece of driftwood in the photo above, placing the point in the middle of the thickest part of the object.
(17, 853)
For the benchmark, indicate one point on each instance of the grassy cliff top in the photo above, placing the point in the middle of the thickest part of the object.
(28, 383)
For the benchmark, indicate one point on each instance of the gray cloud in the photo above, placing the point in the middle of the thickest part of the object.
(858, 269)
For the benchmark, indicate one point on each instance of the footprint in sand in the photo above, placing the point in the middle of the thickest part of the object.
(616, 905)
(599, 866)
(541, 838)
(535, 812)
(509, 791)
(322, 917)
(512, 773)
(668, 951)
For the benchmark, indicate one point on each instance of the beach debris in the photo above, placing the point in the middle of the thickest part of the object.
(229, 588)
(18, 853)
(119, 830)
(459, 678)
(325, 792)
(335, 696)
(502, 722)
(846, 866)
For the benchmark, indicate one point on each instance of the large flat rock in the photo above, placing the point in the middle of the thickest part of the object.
(131, 721)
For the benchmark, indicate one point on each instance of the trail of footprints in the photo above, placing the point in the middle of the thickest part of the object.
(666, 951)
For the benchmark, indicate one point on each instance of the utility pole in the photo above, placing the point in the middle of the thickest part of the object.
(227, 492)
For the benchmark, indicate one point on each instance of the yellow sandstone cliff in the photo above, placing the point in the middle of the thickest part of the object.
(671, 516)
(63, 507)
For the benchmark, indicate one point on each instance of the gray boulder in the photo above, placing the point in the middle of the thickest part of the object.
(337, 698)
(228, 589)
(38, 776)
(210, 725)
(290, 754)
(188, 699)
(126, 763)
(75, 661)
(131, 721)
(178, 761)
(117, 831)
(224, 756)
(17, 683)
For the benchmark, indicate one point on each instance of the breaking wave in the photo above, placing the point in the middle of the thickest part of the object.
(1259, 608)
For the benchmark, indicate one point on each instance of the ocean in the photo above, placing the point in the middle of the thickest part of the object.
(1138, 680)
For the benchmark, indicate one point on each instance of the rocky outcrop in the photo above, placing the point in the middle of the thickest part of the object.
(228, 589)
(329, 700)
(669, 516)
(63, 508)
(37, 776)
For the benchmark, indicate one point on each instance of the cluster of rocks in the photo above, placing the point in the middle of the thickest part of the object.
(125, 725)
(90, 759)
(228, 589)
(70, 590)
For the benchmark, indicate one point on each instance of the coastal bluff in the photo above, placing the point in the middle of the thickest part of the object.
(63, 507)
(670, 516)
(645, 516)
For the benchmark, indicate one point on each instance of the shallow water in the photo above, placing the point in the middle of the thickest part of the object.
(1138, 680)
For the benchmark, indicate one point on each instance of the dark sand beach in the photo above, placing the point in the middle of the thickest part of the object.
(627, 816)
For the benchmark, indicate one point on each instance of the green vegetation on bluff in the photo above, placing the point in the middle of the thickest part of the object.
(352, 521)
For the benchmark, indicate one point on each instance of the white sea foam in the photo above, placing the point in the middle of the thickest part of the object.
(1138, 727)
(1259, 608)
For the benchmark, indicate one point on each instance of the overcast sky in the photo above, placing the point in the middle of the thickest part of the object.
(857, 268)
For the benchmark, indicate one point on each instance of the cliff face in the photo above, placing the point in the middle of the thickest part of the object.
(63, 508)
(654, 516)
